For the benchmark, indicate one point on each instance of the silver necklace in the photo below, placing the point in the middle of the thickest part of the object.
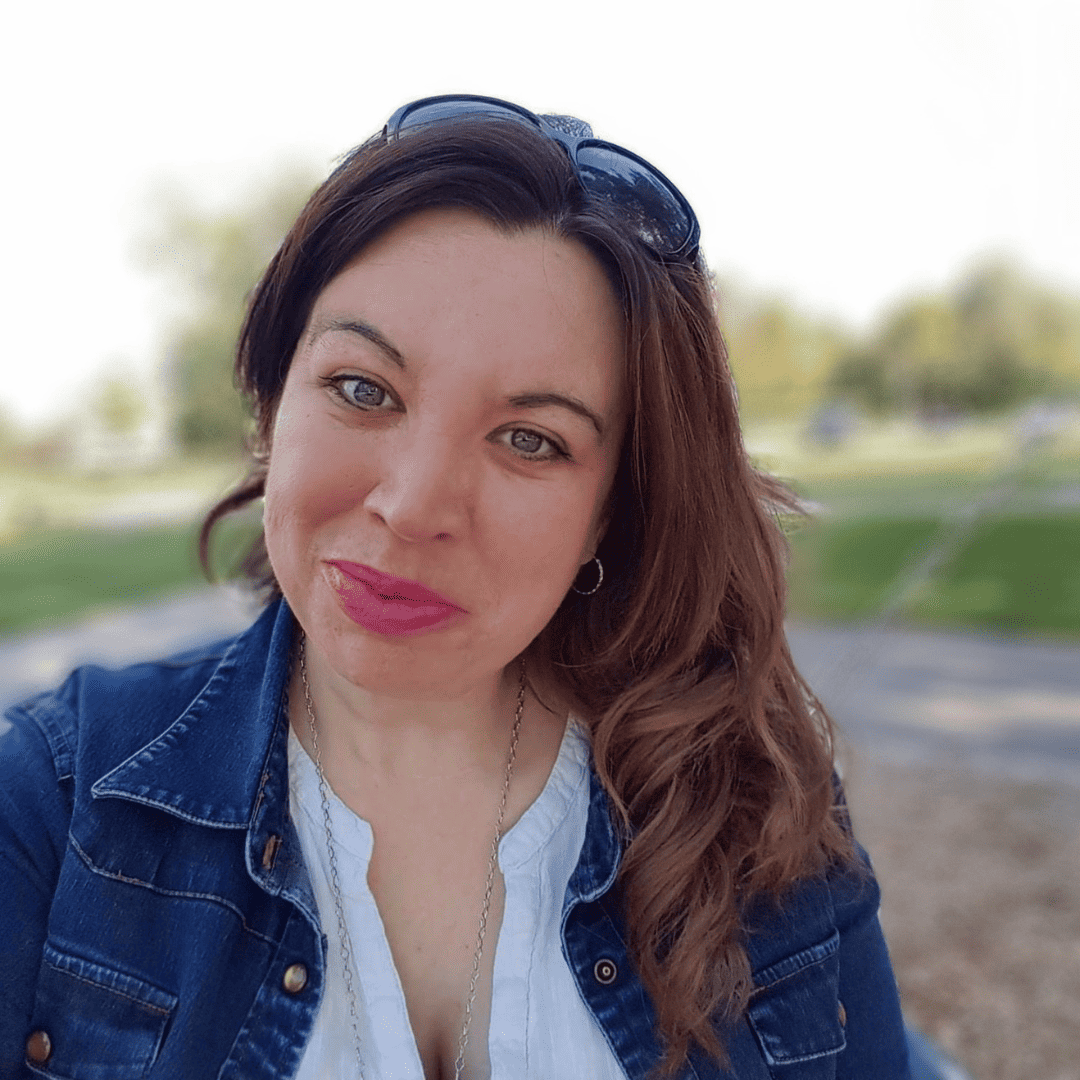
(335, 883)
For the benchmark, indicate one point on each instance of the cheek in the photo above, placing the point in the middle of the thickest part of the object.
(282, 519)
(542, 550)
(308, 483)
(546, 542)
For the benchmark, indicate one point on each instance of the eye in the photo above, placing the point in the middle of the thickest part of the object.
(529, 445)
(358, 391)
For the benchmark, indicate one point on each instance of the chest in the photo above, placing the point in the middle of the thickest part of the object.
(415, 866)
(434, 887)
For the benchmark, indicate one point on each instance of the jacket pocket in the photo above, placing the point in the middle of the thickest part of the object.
(101, 1024)
(796, 1015)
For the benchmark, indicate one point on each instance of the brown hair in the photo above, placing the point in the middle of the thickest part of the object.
(715, 755)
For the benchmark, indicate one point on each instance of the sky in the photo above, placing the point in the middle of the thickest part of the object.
(842, 154)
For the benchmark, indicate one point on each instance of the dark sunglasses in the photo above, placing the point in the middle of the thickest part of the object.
(655, 208)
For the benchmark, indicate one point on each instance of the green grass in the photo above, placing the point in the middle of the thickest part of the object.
(846, 569)
(1011, 572)
(50, 576)
(1015, 574)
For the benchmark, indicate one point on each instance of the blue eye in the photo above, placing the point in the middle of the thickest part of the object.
(528, 444)
(359, 391)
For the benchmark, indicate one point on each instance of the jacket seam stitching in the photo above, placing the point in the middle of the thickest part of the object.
(168, 808)
(61, 752)
(784, 1062)
(790, 975)
(208, 897)
(110, 989)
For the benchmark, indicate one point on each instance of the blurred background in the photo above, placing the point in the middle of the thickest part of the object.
(888, 201)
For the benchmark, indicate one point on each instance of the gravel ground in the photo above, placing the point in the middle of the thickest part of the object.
(981, 908)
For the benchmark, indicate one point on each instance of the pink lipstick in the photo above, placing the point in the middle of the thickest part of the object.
(386, 604)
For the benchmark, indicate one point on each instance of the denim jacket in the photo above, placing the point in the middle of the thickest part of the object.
(157, 919)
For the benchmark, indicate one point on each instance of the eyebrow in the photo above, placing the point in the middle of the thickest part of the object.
(542, 400)
(361, 329)
(532, 400)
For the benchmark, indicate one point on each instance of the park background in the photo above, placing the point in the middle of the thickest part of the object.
(888, 204)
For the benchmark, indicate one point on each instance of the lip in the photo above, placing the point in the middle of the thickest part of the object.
(391, 587)
(387, 604)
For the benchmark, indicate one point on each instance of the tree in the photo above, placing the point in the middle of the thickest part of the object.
(212, 260)
(995, 339)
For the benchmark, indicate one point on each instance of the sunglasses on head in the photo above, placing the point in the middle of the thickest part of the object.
(639, 192)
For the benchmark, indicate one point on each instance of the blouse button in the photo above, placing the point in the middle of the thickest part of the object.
(295, 978)
(605, 972)
(39, 1047)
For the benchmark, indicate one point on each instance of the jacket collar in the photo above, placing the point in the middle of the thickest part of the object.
(210, 764)
(600, 853)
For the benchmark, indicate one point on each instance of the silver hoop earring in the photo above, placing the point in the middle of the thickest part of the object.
(599, 580)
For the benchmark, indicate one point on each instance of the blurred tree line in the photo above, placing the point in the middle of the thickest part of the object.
(996, 338)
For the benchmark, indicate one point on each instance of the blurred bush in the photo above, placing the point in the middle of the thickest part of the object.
(781, 358)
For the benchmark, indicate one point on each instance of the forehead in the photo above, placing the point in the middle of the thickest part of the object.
(448, 284)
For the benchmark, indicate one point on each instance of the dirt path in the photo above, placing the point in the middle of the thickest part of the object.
(961, 757)
(981, 908)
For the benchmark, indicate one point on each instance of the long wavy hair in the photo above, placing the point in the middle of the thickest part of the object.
(716, 756)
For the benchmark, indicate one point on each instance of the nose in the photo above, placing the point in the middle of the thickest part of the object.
(423, 486)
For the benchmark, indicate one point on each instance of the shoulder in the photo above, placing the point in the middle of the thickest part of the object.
(55, 744)
(823, 981)
(114, 709)
(812, 909)
(825, 906)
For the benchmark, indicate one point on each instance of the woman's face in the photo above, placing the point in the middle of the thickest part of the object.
(452, 417)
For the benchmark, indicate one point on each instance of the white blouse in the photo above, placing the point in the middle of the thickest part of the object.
(541, 1028)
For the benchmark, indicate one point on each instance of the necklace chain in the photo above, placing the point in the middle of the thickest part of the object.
(344, 941)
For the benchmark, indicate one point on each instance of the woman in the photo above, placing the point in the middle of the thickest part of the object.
(522, 681)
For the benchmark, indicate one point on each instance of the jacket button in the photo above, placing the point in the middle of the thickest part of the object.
(39, 1047)
(295, 978)
(842, 1013)
(605, 972)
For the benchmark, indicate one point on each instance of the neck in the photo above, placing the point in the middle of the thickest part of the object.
(402, 738)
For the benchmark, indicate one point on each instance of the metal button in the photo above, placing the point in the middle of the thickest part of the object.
(295, 978)
(39, 1047)
(605, 972)
(842, 1012)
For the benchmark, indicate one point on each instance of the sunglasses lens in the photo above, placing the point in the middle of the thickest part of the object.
(636, 193)
(433, 112)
